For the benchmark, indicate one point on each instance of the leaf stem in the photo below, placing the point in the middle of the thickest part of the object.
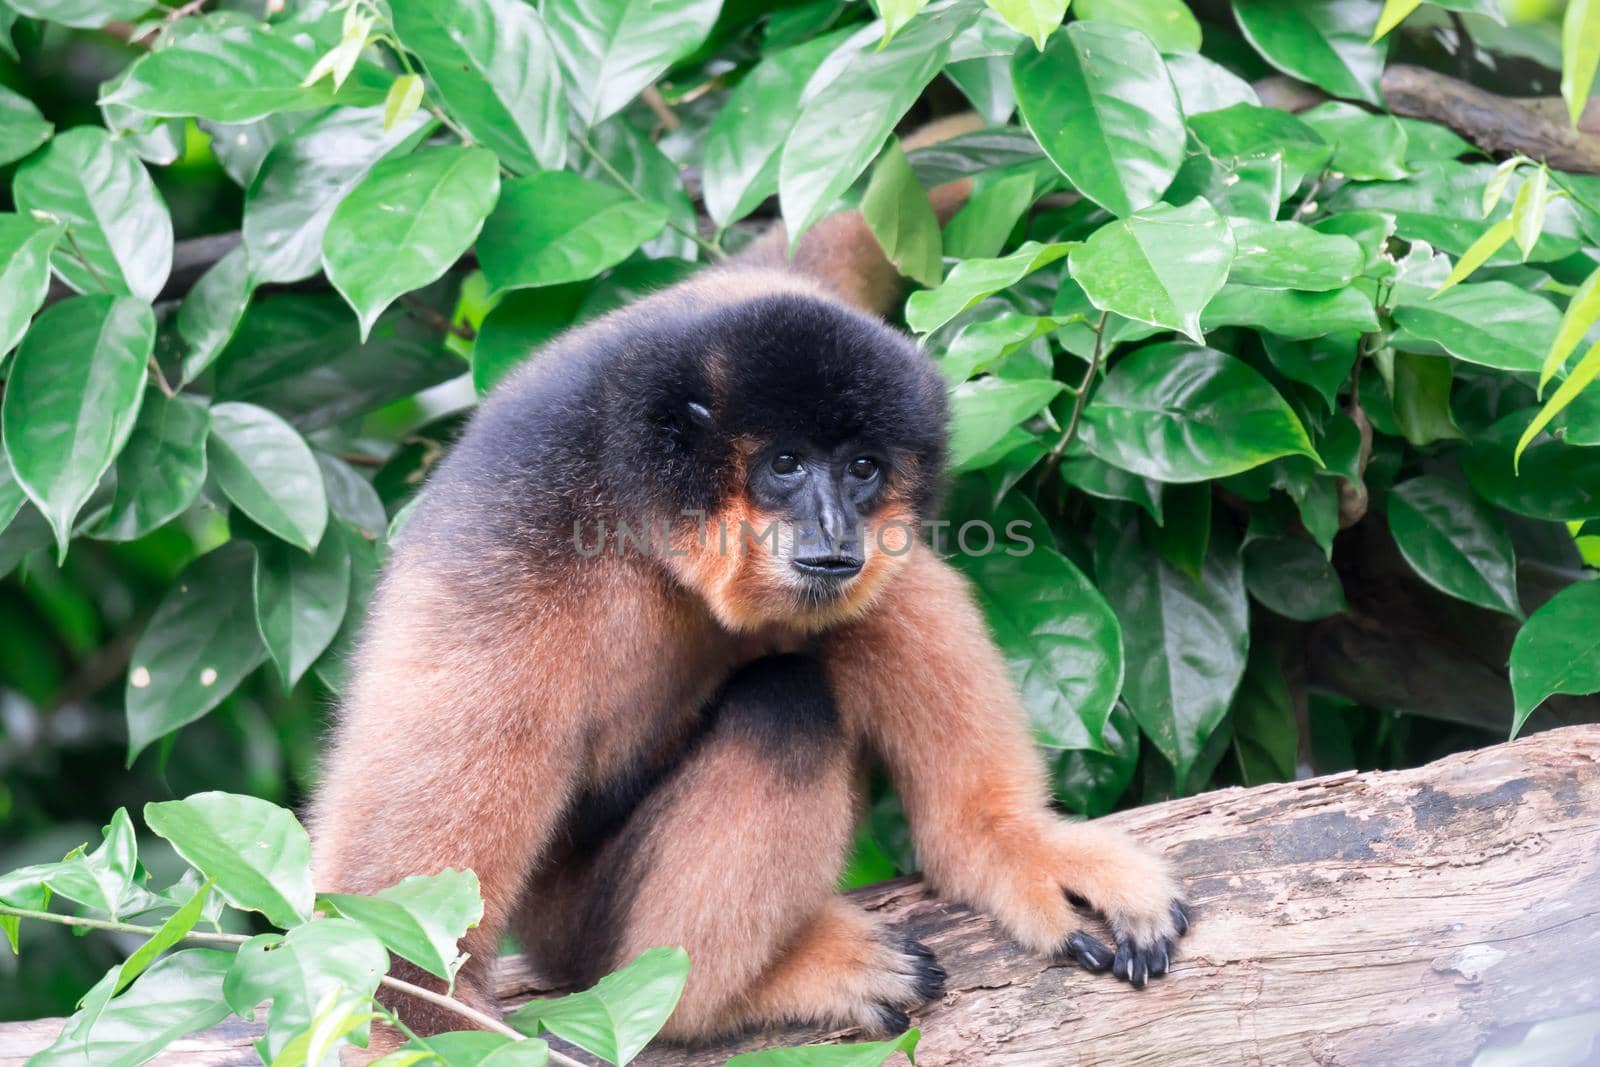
(77, 250)
(1308, 204)
(1081, 401)
(111, 925)
(717, 254)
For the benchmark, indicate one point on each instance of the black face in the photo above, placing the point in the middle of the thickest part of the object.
(825, 496)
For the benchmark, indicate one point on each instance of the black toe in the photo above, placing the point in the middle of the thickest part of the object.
(892, 1020)
(1161, 957)
(1180, 916)
(916, 948)
(1090, 952)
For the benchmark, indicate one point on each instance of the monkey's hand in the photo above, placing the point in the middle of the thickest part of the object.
(1134, 890)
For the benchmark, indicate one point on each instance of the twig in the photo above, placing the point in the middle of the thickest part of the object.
(193, 7)
(605, 164)
(161, 379)
(1081, 401)
(1466, 49)
(1308, 203)
(357, 459)
(658, 106)
(437, 319)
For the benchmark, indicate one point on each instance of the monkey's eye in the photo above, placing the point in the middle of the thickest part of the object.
(785, 463)
(863, 467)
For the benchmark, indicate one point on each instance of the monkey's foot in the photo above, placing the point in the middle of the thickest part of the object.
(1140, 953)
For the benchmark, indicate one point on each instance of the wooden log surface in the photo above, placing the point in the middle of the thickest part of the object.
(1439, 915)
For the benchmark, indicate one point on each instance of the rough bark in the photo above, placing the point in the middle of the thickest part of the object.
(1417, 917)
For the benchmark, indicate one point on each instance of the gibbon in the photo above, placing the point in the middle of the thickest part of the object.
(650, 617)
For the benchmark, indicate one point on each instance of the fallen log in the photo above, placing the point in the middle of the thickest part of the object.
(1426, 916)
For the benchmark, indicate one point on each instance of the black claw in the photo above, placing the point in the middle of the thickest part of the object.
(1180, 916)
(1122, 964)
(892, 1020)
(916, 948)
(1090, 952)
(1161, 957)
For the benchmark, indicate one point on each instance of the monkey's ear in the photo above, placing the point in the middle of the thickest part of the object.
(699, 414)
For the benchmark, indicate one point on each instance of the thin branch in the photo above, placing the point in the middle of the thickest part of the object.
(1081, 401)
(111, 925)
(359, 459)
(604, 164)
(77, 250)
(437, 319)
(161, 379)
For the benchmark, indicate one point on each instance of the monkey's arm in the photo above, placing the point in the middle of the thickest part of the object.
(920, 679)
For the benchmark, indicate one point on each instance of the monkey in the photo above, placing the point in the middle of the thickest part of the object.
(651, 616)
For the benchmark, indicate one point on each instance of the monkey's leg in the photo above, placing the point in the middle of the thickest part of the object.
(735, 856)
(920, 678)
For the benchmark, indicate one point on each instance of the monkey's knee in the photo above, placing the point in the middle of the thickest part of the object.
(781, 705)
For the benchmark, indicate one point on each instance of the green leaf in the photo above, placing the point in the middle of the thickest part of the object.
(300, 602)
(337, 1018)
(106, 879)
(406, 223)
(1583, 311)
(556, 227)
(1287, 255)
(11, 495)
(870, 89)
(612, 49)
(1421, 392)
(420, 919)
(1266, 737)
(405, 96)
(1393, 14)
(169, 934)
(71, 400)
(1492, 324)
(83, 14)
(257, 854)
(1528, 210)
(1057, 633)
(1552, 481)
(1161, 265)
(518, 326)
(198, 646)
(1580, 54)
(1100, 479)
(973, 280)
(1454, 542)
(365, 556)
(1034, 19)
(619, 1016)
(1557, 650)
(328, 961)
(982, 411)
(1099, 101)
(267, 470)
(1206, 85)
(739, 164)
(1169, 23)
(859, 1054)
(1366, 147)
(1324, 42)
(178, 995)
(262, 67)
(241, 147)
(1090, 783)
(1261, 135)
(22, 127)
(302, 180)
(896, 13)
(981, 345)
(161, 469)
(1185, 640)
(1428, 142)
(494, 67)
(25, 245)
(1293, 578)
(351, 497)
(1478, 253)
(1587, 370)
(113, 213)
(1182, 413)
(212, 311)
(897, 211)
(1289, 313)
(984, 223)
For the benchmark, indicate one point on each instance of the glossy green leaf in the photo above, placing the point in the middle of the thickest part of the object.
(1057, 633)
(1580, 54)
(84, 14)
(178, 995)
(1455, 542)
(1185, 640)
(1169, 23)
(1293, 578)
(107, 879)
(1100, 479)
(267, 470)
(1557, 650)
(327, 961)
(1090, 783)
(981, 345)
(494, 67)
(1034, 19)
(71, 399)
(739, 164)
(897, 211)
(1552, 481)
(1161, 265)
(619, 1016)
(406, 223)
(1287, 255)
(972, 280)
(1182, 413)
(25, 245)
(982, 411)
(421, 918)
(256, 853)
(212, 311)
(114, 216)
(236, 72)
(1266, 736)
(302, 180)
(1492, 324)
(1421, 392)
(1478, 253)
(1587, 370)
(1583, 311)
(518, 326)
(11, 495)
(351, 497)
(857, 1054)
(1251, 134)
(1325, 42)
(198, 646)
(983, 225)
(170, 932)
(852, 104)
(161, 468)
(22, 127)
(896, 13)
(300, 602)
(1102, 109)
(556, 227)
(1366, 147)
(1206, 85)
(241, 147)
(610, 50)
(1289, 313)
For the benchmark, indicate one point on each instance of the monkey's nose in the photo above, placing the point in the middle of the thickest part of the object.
(836, 568)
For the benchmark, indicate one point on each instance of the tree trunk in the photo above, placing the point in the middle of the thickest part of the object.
(1409, 917)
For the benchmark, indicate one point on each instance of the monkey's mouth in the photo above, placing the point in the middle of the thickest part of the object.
(834, 568)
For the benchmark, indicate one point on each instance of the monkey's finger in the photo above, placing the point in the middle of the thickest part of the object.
(1087, 951)
(1180, 916)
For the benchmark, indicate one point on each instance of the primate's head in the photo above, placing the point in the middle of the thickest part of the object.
(809, 437)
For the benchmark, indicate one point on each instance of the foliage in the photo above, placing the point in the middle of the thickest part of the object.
(1189, 339)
